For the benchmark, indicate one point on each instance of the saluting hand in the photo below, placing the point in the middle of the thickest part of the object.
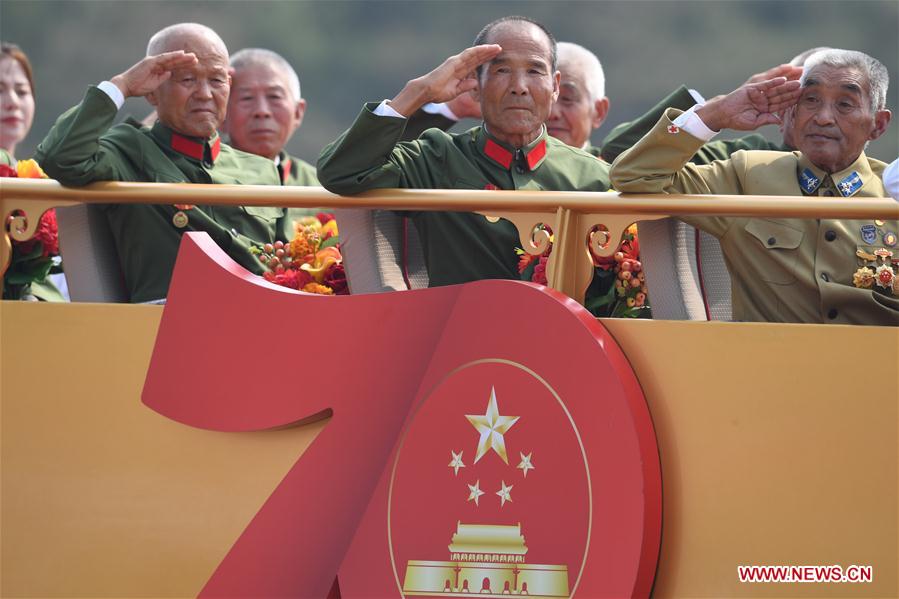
(751, 105)
(151, 72)
(448, 81)
(787, 71)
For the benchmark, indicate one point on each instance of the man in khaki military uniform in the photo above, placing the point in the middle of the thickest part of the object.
(789, 270)
(516, 83)
(625, 135)
(185, 77)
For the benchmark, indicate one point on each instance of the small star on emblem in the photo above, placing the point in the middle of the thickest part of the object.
(525, 464)
(456, 463)
(505, 494)
(673, 129)
(475, 492)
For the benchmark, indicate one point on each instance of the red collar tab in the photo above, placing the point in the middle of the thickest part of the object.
(498, 154)
(504, 157)
(537, 154)
(284, 165)
(194, 149)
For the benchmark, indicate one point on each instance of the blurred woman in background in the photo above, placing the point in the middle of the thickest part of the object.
(27, 276)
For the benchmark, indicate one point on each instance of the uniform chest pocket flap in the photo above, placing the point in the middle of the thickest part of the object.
(267, 214)
(778, 263)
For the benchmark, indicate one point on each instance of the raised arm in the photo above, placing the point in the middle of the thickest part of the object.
(369, 154)
(73, 152)
(445, 83)
(751, 105)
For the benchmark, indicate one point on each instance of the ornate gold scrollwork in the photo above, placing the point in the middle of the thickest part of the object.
(534, 240)
(20, 221)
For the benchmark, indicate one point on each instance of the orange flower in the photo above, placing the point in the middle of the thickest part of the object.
(323, 260)
(318, 289)
(29, 169)
(300, 247)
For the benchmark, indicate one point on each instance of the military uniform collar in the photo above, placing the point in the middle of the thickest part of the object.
(848, 181)
(851, 179)
(204, 150)
(531, 155)
(284, 164)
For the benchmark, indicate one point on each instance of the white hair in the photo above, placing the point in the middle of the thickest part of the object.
(595, 78)
(249, 56)
(161, 40)
(874, 71)
(800, 58)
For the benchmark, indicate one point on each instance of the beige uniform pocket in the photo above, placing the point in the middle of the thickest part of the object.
(777, 257)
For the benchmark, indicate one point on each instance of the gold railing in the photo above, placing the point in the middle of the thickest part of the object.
(579, 220)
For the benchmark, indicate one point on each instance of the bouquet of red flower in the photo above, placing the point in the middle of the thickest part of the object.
(311, 262)
(618, 288)
(32, 260)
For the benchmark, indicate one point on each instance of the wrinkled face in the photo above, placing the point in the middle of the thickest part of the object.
(262, 112)
(574, 114)
(833, 120)
(518, 87)
(16, 104)
(194, 100)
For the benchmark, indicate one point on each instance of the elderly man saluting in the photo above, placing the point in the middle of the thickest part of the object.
(185, 77)
(789, 270)
(517, 82)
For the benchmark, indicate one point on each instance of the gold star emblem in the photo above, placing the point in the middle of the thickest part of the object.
(492, 427)
(457, 462)
(475, 492)
(505, 494)
(525, 463)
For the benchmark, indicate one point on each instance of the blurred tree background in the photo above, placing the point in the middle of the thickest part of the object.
(348, 52)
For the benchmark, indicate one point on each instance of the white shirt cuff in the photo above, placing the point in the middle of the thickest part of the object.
(690, 122)
(385, 109)
(114, 93)
(441, 108)
(697, 97)
(891, 179)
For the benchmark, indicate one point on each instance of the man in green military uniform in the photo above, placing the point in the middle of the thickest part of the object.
(625, 135)
(185, 77)
(789, 270)
(265, 109)
(516, 83)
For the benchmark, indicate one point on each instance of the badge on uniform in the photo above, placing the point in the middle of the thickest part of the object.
(869, 234)
(850, 184)
(809, 181)
(180, 219)
(673, 129)
(889, 239)
(878, 269)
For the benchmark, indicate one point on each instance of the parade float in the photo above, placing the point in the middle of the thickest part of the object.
(490, 439)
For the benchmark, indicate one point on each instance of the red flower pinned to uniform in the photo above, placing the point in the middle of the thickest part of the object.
(490, 186)
(7, 171)
(324, 217)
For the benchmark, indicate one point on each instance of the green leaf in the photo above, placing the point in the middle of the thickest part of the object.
(35, 252)
(329, 242)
